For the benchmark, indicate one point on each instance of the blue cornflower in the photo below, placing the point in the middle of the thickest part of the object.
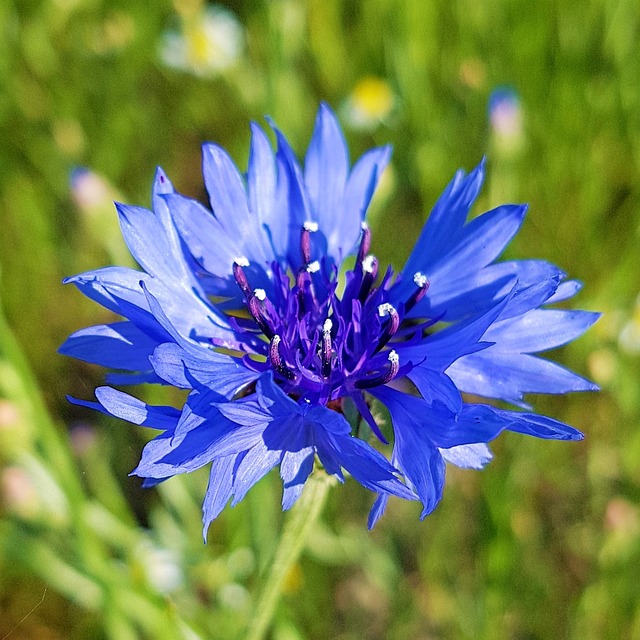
(244, 307)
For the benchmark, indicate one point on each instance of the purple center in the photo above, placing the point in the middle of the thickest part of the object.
(321, 346)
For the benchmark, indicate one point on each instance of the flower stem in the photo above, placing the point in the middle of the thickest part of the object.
(295, 533)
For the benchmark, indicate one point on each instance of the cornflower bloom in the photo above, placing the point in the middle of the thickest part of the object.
(243, 306)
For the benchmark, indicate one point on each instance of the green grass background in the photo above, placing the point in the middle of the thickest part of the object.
(544, 543)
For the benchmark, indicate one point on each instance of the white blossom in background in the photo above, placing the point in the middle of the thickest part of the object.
(206, 44)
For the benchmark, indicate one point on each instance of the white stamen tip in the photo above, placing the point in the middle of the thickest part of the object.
(310, 226)
(313, 267)
(364, 226)
(276, 340)
(327, 326)
(369, 263)
(242, 261)
(420, 279)
(393, 357)
(261, 294)
(385, 309)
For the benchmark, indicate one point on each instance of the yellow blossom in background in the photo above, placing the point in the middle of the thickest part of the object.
(370, 103)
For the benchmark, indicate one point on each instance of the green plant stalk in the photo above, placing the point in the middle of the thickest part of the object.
(294, 536)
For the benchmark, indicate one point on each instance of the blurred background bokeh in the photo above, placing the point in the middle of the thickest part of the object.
(543, 544)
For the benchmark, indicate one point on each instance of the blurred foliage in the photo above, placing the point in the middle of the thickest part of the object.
(546, 541)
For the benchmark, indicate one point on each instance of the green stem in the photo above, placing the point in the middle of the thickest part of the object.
(296, 531)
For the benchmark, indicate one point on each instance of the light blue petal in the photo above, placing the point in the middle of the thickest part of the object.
(468, 456)
(228, 198)
(120, 345)
(184, 369)
(326, 168)
(539, 330)
(219, 490)
(508, 376)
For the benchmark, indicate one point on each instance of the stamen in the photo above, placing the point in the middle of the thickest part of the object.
(391, 327)
(261, 294)
(387, 376)
(370, 272)
(240, 276)
(365, 243)
(305, 241)
(276, 360)
(326, 348)
(255, 309)
(422, 282)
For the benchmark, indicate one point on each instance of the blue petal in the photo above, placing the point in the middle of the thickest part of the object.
(446, 221)
(262, 192)
(362, 182)
(156, 252)
(538, 426)
(184, 369)
(186, 318)
(206, 238)
(326, 168)
(483, 240)
(120, 345)
(254, 466)
(121, 405)
(294, 471)
(191, 446)
(219, 490)
(110, 286)
(228, 198)
(508, 376)
(370, 468)
(438, 351)
(435, 424)
(539, 330)
(468, 456)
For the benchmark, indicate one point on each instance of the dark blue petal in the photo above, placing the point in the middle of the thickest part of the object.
(365, 464)
(446, 221)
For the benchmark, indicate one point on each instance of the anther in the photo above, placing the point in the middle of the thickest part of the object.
(241, 278)
(365, 242)
(313, 267)
(326, 348)
(276, 360)
(261, 294)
